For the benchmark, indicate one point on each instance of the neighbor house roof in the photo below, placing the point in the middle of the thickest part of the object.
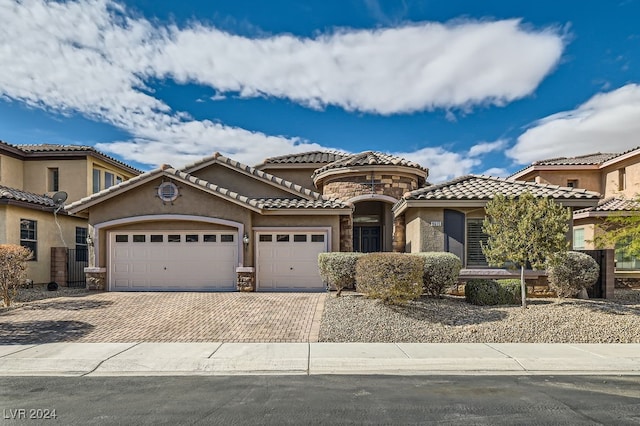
(369, 158)
(608, 206)
(46, 150)
(260, 205)
(311, 157)
(596, 160)
(476, 190)
(8, 194)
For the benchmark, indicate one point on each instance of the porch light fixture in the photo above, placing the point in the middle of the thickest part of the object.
(245, 240)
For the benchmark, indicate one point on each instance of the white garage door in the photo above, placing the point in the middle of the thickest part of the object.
(289, 260)
(172, 261)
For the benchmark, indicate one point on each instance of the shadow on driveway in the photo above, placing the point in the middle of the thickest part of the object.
(35, 332)
(68, 305)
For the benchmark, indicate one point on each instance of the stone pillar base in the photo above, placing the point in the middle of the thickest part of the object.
(246, 278)
(96, 278)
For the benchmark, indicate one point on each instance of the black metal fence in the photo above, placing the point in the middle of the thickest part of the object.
(599, 289)
(77, 260)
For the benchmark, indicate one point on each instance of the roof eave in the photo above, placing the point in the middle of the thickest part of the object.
(304, 211)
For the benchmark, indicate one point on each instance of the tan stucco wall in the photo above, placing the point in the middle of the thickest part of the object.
(300, 176)
(587, 179)
(92, 163)
(303, 221)
(421, 236)
(632, 171)
(47, 235)
(72, 177)
(11, 172)
(237, 182)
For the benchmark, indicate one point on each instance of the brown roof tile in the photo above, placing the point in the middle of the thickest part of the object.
(8, 193)
(369, 158)
(613, 205)
(312, 157)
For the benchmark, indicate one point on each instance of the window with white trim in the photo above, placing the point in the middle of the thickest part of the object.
(578, 239)
(29, 236)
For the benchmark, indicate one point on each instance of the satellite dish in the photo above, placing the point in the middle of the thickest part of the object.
(59, 197)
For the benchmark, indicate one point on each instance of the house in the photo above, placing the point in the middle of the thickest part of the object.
(206, 225)
(615, 175)
(30, 175)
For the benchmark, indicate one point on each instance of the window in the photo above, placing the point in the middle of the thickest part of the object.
(157, 238)
(266, 238)
(191, 238)
(622, 179)
(118, 179)
(139, 238)
(96, 181)
(623, 260)
(122, 238)
(572, 183)
(82, 254)
(209, 238)
(317, 238)
(475, 238)
(282, 238)
(226, 238)
(108, 179)
(174, 238)
(53, 179)
(578, 238)
(29, 236)
(299, 238)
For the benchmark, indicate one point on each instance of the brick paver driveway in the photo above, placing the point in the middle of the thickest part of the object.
(166, 317)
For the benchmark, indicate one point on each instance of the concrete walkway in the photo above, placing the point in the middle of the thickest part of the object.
(147, 359)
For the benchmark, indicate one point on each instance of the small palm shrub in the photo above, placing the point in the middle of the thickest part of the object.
(13, 266)
(573, 272)
(338, 269)
(441, 271)
(394, 278)
(491, 292)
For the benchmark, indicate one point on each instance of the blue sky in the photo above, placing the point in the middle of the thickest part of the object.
(458, 86)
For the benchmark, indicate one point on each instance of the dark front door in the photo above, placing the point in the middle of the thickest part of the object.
(366, 239)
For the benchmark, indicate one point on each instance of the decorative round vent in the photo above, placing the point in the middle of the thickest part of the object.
(168, 192)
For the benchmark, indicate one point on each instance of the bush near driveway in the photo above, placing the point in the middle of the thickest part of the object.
(491, 292)
(575, 271)
(441, 271)
(13, 267)
(338, 269)
(394, 278)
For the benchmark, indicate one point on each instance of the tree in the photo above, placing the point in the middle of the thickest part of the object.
(525, 230)
(13, 268)
(621, 231)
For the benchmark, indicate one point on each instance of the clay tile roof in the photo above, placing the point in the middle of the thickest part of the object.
(589, 159)
(475, 187)
(369, 158)
(312, 157)
(7, 193)
(300, 203)
(613, 205)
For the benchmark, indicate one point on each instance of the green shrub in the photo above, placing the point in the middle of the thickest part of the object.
(338, 269)
(490, 292)
(441, 271)
(394, 278)
(574, 271)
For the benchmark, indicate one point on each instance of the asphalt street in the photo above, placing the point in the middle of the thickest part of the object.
(325, 399)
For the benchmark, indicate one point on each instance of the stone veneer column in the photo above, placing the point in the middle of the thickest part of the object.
(399, 234)
(246, 278)
(346, 234)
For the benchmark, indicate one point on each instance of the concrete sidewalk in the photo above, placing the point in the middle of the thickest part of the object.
(152, 359)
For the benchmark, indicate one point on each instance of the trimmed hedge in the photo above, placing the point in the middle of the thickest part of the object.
(394, 278)
(441, 271)
(338, 269)
(574, 271)
(491, 292)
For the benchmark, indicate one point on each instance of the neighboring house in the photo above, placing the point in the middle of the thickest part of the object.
(190, 229)
(29, 176)
(615, 175)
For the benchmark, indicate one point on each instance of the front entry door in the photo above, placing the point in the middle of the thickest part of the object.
(366, 239)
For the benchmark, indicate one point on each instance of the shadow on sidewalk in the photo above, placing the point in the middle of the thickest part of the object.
(35, 332)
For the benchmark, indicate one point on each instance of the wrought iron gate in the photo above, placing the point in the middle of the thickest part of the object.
(77, 260)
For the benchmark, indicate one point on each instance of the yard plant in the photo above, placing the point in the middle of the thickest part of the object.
(13, 267)
(575, 271)
(491, 292)
(441, 271)
(395, 278)
(338, 269)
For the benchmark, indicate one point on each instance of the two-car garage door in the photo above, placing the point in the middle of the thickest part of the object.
(173, 260)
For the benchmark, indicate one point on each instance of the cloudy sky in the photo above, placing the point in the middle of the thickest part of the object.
(459, 86)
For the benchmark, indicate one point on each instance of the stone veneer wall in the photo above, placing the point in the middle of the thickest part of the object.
(346, 234)
(346, 187)
(59, 272)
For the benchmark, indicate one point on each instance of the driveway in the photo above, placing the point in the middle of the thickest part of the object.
(166, 317)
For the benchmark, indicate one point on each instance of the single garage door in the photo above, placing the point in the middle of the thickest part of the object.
(172, 261)
(289, 260)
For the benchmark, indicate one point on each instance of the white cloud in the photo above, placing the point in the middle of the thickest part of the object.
(94, 58)
(442, 164)
(608, 122)
(483, 148)
(496, 171)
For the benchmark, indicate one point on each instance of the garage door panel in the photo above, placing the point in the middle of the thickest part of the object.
(164, 265)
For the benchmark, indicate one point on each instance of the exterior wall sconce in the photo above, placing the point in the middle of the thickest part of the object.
(245, 240)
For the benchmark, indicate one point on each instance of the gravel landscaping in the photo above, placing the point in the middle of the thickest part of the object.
(354, 318)
(39, 292)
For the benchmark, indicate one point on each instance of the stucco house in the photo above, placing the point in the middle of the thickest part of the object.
(29, 176)
(207, 224)
(615, 175)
